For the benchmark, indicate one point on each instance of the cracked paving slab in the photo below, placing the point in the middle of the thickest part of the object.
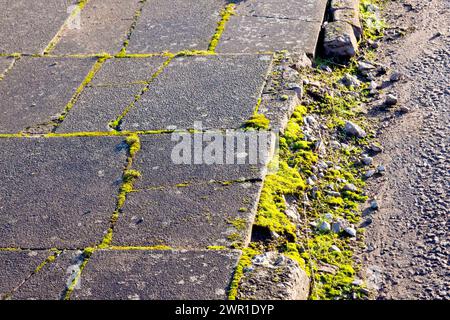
(104, 26)
(162, 275)
(97, 107)
(194, 216)
(16, 267)
(58, 192)
(156, 163)
(219, 91)
(28, 26)
(175, 25)
(36, 90)
(249, 34)
(51, 282)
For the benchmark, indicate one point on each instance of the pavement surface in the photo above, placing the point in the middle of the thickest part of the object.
(77, 79)
(408, 240)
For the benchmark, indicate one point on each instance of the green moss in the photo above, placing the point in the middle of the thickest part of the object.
(86, 256)
(149, 248)
(225, 15)
(239, 223)
(76, 11)
(80, 89)
(216, 248)
(258, 121)
(183, 185)
(115, 124)
(50, 259)
(271, 207)
(244, 262)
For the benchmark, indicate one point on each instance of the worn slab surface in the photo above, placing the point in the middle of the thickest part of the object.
(5, 63)
(36, 89)
(29, 26)
(306, 10)
(126, 70)
(158, 168)
(162, 275)
(16, 267)
(58, 192)
(214, 214)
(104, 26)
(219, 91)
(175, 25)
(51, 281)
(249, 34)
(97, 107)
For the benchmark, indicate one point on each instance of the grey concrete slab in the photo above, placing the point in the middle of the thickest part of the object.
(5, 63)
(104, 26)
(159, 163)
(159, 275)
(16, 267)
(127, 70)
(307, 10)
(37, 89)
(195, 216)
(51, 281)
(97, 107)
(248, 34)
(219, 91)
(175, 25)
(29, 26)
(58, 192)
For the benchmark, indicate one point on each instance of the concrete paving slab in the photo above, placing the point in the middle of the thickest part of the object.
(219, 91)
(160, 165)
(104, 26)
(16, 267)
(158, 275)
(37, 89)
(175, 25)
(194, 216)
(307, 10)
(5, 63)
(51, 281)
(127, 70)
(97, 107)
(58, 192)
(29, 26)
(248, 34)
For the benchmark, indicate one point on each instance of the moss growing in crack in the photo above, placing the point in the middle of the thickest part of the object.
(134, 144)
(244, 262)
(225, 15)
(149, 248)
(80, 89)
(87, 253)
(50, 259)
(216, 248)
(258, 121)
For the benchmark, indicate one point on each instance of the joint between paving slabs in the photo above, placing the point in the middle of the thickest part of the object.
(128, 177)
(115, 124)
(137, 14)
(77, 10)
(50, 259)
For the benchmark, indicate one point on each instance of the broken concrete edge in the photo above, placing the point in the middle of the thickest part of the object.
(273, 275)
(342, 33)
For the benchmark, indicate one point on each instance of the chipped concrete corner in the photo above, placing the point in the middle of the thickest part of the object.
(343, 30)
